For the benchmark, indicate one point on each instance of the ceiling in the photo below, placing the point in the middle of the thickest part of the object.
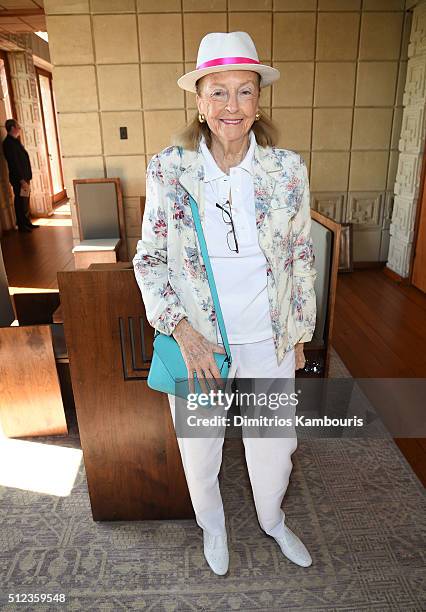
(17, 16)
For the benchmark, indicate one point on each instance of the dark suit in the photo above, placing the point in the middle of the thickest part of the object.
(19, 165)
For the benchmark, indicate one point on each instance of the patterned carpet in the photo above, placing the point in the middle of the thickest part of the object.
(356, 504)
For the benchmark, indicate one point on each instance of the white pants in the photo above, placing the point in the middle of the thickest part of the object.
(268, 459)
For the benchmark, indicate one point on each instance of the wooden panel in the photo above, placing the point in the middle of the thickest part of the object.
(7, 315)
(83, 259)
(57, 315)
(131, 455)
(30, 395)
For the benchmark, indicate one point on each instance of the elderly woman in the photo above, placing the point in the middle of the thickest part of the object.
(254, 205)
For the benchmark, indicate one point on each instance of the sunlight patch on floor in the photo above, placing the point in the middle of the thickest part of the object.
(63, 209)
(52, 222)
(41, 468)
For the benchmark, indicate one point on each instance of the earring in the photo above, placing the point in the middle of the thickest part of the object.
(201, 118)
(257, 116)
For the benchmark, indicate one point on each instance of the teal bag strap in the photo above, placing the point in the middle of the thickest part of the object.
(210, 276)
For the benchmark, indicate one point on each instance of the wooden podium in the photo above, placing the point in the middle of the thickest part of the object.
(133, 465)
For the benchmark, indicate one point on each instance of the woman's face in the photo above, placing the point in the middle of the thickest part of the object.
(229, 101)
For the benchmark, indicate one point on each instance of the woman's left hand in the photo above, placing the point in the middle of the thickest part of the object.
(300, 356)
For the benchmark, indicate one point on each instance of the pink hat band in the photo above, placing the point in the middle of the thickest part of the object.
(222, 61)
(222, 51)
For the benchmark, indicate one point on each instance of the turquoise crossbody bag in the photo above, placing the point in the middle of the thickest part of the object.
(168, 372)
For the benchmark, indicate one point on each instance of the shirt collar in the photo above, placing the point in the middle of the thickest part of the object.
(212, 170)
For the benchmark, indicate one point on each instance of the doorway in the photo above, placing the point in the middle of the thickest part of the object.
(6, 89)
(50, 130)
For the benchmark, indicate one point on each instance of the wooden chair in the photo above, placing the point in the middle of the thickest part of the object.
(326, 239)
(101, 223)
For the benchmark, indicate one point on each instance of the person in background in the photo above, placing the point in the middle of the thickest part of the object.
(20, 174)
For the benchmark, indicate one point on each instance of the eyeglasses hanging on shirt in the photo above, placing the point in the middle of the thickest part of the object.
(231, 237)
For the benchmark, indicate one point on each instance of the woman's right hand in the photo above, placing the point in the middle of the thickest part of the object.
(197, 353)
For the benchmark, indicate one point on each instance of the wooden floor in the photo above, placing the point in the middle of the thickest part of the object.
(33, 259)
(379, 328)
(380, 332)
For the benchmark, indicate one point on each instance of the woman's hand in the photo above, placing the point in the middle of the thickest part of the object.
(300, 356)
(197, 353)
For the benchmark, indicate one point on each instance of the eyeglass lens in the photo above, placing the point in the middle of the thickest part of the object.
(223, 95)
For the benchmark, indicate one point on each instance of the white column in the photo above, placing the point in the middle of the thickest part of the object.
(411, 146)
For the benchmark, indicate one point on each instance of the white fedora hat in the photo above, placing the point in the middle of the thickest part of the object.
(220, 51)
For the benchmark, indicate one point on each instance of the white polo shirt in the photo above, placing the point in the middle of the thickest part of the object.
(240, 277)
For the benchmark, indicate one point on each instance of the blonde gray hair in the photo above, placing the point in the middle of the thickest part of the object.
(265, 130)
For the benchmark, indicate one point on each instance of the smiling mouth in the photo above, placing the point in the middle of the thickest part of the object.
(231, 121)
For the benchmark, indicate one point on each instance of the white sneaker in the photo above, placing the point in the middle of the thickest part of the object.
(294, 549)
(216, 552)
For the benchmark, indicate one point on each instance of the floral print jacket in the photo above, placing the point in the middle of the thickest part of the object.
(168, 264)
